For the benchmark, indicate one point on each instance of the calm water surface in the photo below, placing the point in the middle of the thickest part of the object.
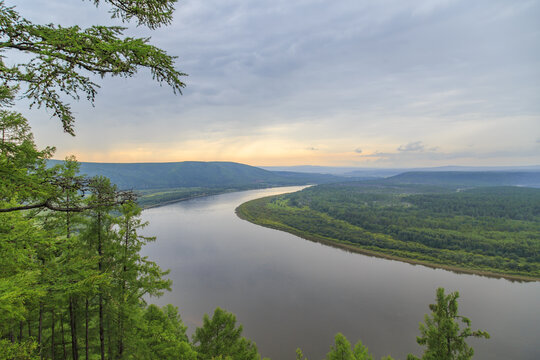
(289, 292)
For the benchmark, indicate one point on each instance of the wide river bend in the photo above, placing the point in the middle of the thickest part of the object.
(288, 292)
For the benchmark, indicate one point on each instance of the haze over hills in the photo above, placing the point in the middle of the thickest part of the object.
(142, 176)
(197, 174)
(385, 172)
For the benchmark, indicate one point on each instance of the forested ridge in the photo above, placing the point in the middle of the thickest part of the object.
(201, 174)
(157, 184)
(530, 178)
(493, 229)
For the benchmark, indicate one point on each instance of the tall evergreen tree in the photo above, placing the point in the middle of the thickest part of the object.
(160, 334)
(442, 334)
(341, 350)
(220, 337)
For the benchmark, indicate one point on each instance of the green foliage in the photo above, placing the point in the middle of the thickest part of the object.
(63, 58)
(341, 350)
(442, 334)
(161, 335)
(22, 166)
(361, 352)
(300, 354)
(18, 351)
(147, 12)
(491, 229)
(219, 337)
(71, 273)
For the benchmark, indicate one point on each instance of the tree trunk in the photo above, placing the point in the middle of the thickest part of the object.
(101, 330)
(73, 325)
(120, 337)
(109, 340)
(21, 326)
(123, 294)
(68, 222)
(52, 334)
(100, 267)
(86, 331)
(63, 338)
(40, 328)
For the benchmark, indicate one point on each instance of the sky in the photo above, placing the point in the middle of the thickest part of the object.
(386, 83)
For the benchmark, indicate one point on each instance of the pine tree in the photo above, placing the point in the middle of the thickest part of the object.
(220, 337)
(442, 334)
(160, 334)
(300, 354)
(341, 350)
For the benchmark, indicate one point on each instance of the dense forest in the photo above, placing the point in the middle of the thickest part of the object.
(491, 229)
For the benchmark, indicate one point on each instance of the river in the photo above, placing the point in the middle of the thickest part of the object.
(288, 292)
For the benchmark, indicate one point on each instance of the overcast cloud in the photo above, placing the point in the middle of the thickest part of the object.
(417, 83)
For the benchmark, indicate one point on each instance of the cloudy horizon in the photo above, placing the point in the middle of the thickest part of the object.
(342, 83)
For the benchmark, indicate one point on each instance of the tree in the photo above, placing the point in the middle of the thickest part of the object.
(300, 354)
(442, 334)
(58, 245)
(361, 352)
(160, 334)
(341, 350)
(134, 276)
(28, 183)
(22, 166)
(64, 58)
(219, 337)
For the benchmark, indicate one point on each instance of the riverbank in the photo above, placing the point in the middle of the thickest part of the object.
(173, 201)
(153, 198)
(243, 212)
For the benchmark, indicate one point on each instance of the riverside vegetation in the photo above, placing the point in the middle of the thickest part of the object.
(491, 230)
(72, 280)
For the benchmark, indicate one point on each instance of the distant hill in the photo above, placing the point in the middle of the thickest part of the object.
(367, 172)
(334, 170)
(197, 174)
(469, 178)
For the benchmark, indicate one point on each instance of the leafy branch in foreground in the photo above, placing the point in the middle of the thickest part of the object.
(27, 183)
(151, 13)
(63, 58)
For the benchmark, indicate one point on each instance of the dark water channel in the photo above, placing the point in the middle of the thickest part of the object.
(289, 292)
